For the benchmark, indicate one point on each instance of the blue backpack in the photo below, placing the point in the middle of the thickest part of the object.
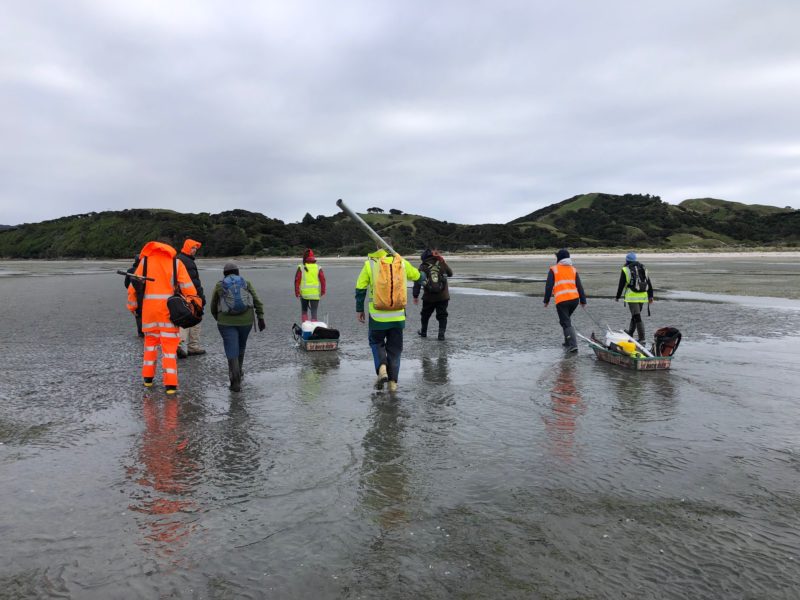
(235, 298)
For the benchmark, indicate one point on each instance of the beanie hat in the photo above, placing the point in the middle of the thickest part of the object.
(630, 257)
(230, 268)
(562, 254)
(308, 256)
(426, 255)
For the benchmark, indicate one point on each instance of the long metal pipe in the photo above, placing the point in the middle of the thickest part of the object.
(370, 231)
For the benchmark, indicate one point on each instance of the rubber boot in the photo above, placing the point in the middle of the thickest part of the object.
(570, 339)
(234, 374)
(441, 333)
(442, 328)
(303, 317)
(241, 365)
(423, 329)
(383, 377)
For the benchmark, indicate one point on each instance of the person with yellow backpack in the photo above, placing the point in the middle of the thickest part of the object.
(384, 276)
(309, 285)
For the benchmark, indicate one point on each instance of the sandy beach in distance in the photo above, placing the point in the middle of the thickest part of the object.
(643, 255)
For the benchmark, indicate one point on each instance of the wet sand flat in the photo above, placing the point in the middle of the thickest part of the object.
(502, 468)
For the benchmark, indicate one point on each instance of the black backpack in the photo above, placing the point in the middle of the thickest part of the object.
(638, 281)
(435, 281)
(182, 312)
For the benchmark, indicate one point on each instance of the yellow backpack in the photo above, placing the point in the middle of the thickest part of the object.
(389, 284)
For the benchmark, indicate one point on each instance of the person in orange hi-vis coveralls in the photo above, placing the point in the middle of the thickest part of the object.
(158, 262)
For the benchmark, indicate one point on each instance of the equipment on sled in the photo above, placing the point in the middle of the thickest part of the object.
(621, 349)
(315, 335)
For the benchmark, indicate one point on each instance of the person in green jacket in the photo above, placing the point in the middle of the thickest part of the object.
(233, 305)
(385, 326)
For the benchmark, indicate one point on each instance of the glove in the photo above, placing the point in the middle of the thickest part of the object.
(261, 324)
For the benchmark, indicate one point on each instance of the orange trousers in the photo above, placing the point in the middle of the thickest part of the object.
(168, 338)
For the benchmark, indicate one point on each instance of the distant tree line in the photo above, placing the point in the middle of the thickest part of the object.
(631, 220)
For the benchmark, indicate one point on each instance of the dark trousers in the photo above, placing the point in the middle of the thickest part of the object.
(312, 304)
(565, 310)
(387, 346)
(234, 338)
(441, 314)
(637, 324)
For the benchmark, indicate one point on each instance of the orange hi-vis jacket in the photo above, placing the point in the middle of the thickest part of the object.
(564, 286)
(159, 257)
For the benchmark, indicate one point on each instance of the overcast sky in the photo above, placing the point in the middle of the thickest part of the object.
(471, 112)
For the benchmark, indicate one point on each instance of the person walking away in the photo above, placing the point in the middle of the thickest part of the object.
(435, 293)
(564, 285)
(384, 277)
(638, 288)
(232, 305)
(190, 337)
(309, 285)
(138, 286)
(159, 261)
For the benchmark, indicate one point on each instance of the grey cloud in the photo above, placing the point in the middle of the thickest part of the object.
(471, 112)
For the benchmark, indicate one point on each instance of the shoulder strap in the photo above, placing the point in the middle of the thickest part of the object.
(175, 275)
(144, 273)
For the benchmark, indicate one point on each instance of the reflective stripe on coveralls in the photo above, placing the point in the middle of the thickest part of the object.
(564, 287)
(169, 357)
(156, 324)
(309, 281)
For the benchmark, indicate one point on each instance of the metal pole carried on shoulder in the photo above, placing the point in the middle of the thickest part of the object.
(132, 276)
(369, 230)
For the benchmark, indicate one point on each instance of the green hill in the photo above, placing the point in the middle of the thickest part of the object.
(584, 221)
(725, 210)
(643, 220)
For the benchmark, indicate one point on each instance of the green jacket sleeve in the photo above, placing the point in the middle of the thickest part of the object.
(412, 274)
(259, 307)
(362, 285)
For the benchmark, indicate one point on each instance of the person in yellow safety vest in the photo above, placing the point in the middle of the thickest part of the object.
(635, 298)
(564, 284)
(385, 326)
(158, 261)
(309, 285)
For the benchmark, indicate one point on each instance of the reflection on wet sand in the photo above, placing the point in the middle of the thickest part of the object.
(643, 396)
(435, 369)
(312, 374)
(384, 474)
(165, 474)
(566, 405)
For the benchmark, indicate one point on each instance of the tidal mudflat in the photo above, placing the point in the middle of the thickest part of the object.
(502, 468)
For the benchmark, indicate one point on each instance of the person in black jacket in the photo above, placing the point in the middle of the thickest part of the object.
(633, 298)
(190, 338)
(139, 287)
(435, 295)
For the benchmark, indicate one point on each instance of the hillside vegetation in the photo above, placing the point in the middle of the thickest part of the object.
(584, 221)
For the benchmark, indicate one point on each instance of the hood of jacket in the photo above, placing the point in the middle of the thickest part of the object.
(567, 261)
(378, 254)
(156, 248)
(189, 245)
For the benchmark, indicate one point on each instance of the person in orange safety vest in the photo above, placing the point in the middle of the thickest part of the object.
(564, 284)
(158, 260)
